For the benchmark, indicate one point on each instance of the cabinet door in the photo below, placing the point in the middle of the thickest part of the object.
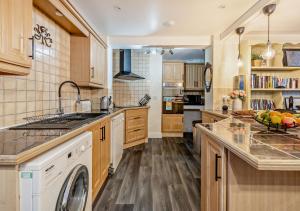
(101, 64)
(16, 29)
(96, 151)
(168, 72)
(212, 175)
(93, 58)
(172, 123)
(98, 62)
(105, 149)
(178, 72)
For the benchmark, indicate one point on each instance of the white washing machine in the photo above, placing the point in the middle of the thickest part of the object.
(60, 179)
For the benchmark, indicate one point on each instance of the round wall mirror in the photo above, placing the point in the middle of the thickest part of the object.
(208, 74)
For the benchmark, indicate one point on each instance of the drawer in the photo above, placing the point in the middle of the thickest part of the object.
(135, 122)
(135, 113)
(134, 135)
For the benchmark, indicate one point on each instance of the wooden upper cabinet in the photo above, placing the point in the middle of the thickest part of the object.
(16, 29)
(194, 76)
(173, 72)
(88, 62)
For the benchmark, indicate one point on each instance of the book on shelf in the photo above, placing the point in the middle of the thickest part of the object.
(262, 104)
(273, 82)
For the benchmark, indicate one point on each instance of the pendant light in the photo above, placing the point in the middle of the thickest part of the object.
(240, 31)
(269, 52)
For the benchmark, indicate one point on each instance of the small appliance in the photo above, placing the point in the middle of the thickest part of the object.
(105, 102)
(117, 140)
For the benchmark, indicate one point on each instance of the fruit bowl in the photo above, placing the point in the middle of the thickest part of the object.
(278, 120)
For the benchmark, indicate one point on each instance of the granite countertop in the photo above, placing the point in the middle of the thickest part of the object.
(18, 146)
(251, 141)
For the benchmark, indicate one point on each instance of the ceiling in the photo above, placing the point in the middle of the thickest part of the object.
(147, 17)
(186, 55)
(285, 19)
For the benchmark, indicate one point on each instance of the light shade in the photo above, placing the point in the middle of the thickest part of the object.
(240, 62)
(269, 53)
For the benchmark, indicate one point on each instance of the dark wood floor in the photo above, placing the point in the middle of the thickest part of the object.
(162, 175)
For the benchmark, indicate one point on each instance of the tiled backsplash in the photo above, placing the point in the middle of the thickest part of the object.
(37, 93)
(130, 92)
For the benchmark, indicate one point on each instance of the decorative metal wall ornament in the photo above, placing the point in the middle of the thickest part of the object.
(41, 33)
(208, 76)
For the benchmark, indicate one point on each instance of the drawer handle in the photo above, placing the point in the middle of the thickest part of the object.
(136, 130)
(32, 47)
(217, 167)
(137, 117)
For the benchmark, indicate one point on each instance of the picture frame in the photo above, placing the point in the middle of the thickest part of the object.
(291, 57)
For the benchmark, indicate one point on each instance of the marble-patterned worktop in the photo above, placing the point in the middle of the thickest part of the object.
(18, 146)
(251, 141)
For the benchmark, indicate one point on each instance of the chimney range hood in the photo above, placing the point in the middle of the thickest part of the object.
(125, 67)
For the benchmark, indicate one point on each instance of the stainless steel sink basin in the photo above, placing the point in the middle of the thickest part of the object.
(68, 121)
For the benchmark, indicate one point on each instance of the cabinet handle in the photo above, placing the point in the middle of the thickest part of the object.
(217, 167)
(104, 133)
(101, 138)
(137, 117)
(32, 47)
(93, 72)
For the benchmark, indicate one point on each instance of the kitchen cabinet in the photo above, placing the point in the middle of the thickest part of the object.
(88, 62)
(210, 118)
(173, 72)
(212, 179)
(172, 123)
(193, 77)
(101, 155)
(16, 31)
(136, 123)
(105, 149)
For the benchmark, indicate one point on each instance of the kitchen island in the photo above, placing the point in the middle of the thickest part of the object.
(246, 167)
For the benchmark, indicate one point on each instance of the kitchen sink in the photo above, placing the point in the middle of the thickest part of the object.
(63, 122)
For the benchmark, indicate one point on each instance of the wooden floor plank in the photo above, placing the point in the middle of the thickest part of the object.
(159, 175)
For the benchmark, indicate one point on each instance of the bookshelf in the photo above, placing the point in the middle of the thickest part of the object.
(274, 71)
(273, 90)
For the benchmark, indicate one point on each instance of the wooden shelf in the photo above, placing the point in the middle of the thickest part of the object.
(274, 68)
(280, 90)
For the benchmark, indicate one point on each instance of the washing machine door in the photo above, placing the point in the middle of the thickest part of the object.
(74, 192)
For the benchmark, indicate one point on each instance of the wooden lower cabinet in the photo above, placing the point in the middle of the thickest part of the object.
(212, 175)
(230, 183)
(136, 126)
(172, 123)
(210, 118)
(101, 155)
(105, 149)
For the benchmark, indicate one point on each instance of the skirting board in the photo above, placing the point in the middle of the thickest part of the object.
(142, 141)
(155, 135)
(172, 134)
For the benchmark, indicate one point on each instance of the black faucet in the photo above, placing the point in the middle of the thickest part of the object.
(60, 109)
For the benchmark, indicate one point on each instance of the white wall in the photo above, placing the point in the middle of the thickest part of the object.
(155, 111)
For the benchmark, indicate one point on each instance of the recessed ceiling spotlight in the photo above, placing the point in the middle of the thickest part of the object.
(222, 6)
(58, 13)
(168, 23)
(117, 8)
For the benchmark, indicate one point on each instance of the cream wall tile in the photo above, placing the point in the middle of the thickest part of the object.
(36, 93)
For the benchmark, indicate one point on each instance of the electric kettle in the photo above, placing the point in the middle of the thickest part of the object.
(105, 102)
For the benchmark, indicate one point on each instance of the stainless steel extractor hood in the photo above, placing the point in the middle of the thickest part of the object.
(125, 67)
